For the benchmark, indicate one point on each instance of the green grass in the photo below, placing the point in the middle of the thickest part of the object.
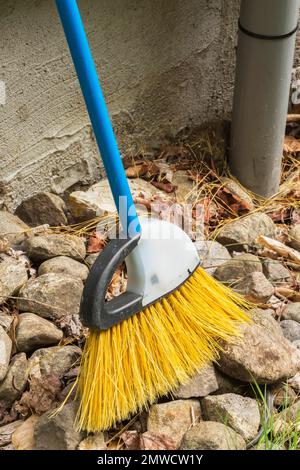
(280, 431)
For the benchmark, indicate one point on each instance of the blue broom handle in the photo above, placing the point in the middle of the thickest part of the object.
(95, 103)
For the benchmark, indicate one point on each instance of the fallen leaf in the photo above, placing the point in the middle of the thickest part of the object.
(167, 187)
(147, 170)
(288, 293)
(131, 440)
(280, 248)
(41, 397)
(151, 441)
(96, 243)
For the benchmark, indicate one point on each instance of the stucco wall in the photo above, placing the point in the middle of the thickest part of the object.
(165, 64)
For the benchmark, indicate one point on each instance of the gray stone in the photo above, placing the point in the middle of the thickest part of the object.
(212, 254)
(292, 312)
(56, 360)
(5, 352)
(275, 272)
(262, 353)
(210, 435)
(294, 236)
(58, 433)
(12, 228)
(64, 265)
(33, 332)
(98, 200)
(174, 418)
(51, 295)
(255, 287)
(294, 382)
(13, 275)
(90, 259)
(240, 413)
(44, 247)
(7, 431)
(15, 381)
(236, 189)
(6, 321)
(291, 330)
(43, 208)
(243, 232)
(296, 344)
(202, 384)
(238, 267)
(283, 395)
(229, 385)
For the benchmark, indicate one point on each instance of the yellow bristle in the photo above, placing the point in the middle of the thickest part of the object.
(127, 367)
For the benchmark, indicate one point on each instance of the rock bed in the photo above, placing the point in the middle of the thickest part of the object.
(42, 273)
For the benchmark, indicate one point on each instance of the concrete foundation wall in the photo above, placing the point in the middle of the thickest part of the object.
(164, 64)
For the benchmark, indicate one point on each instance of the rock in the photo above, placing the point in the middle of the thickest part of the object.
(185, 185)
(98, 199)
(58, 433)
(212, 254)
(294, 236)
(291, 330)
(44, 247)
(294, 382)
(6, 432)
(51, 295)
(95, 442)
(13, 275)
(296, 344)
(202, 384)
(210, 435)
(283, 394)
(229, 385)
(263, 354)
(15, 381)
(255, 287)
(5, 351)
(12, 228)
(23, 437)
(237, 190)
(243, 232)
(287, 419)
(292, 312)
(33, 332)
(240, 413)
(66, 266)
(56, 360)
(90, 259)
(238, 267)
(174, 418)
(275, 271)
(43, 208)
(6, 321)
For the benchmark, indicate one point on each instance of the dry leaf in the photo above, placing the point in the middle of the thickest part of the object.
(43, 395)
(146, 169)
(290, 294)
(291, 144)
(280, 248)
(151, 441)
(131, 440)
(167, 187)
(96, 243)
(23, 437)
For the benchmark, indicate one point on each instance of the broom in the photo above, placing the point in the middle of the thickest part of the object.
(173, 317)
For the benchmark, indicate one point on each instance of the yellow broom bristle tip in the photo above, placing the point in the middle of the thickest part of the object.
(127, 367)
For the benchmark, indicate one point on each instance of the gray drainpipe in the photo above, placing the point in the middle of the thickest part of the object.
(264, 64)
